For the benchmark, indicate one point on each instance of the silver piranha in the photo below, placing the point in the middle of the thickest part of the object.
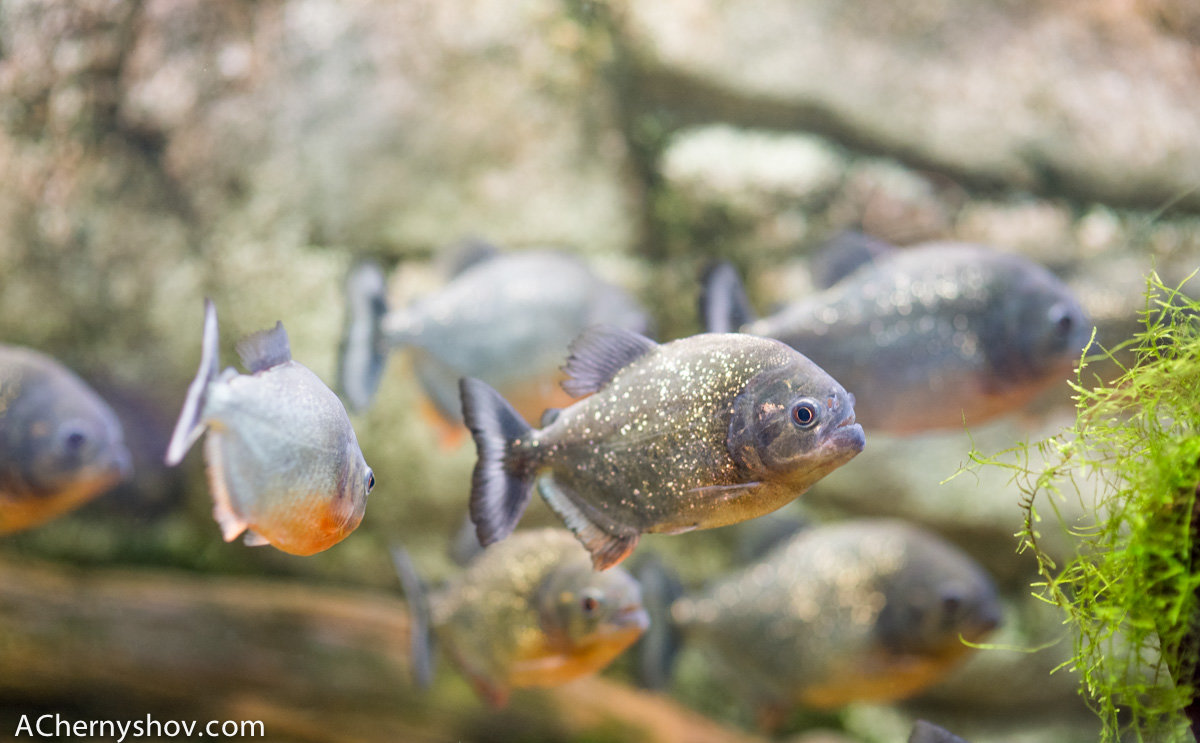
(284, 464)
(527, 612)
(864, 610)
(926, 337)
(60, 444)
(693, 434)
(506, 320)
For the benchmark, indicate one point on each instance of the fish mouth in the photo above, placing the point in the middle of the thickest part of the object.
(630, 617)
(848, 434)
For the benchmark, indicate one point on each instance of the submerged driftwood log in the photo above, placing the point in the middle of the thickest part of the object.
(312, 663)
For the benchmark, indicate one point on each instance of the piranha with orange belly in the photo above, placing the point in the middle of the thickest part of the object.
(60, 444)
(284, 465)
(527, 612)
(696, 433)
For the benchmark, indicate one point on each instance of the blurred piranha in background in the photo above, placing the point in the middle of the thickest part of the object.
(924, 337)
(530, 611)
(505, 319)
(866, 610)
(693, 434)
(284, 464)
(60, 444)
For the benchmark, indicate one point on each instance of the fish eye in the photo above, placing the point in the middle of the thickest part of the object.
(73, 438)
(589, 604)
(370, 480)
(805, 413)
(1061, 318)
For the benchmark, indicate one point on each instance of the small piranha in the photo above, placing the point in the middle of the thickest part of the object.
(927, 732)
(925, 337)
(60, 444)
(527, 612)
(696, 433)
(866, 610)
(506, 319)
(284, 464)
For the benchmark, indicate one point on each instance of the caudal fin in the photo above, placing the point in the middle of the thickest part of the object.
(724, 306)
(501, 484)
(190, 425)
(363, 352)
(420, 635)
(659, 646)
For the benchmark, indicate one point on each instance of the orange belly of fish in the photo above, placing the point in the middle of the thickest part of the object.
(545, 665)
(900, 679)
(304, 531)
(26, 512)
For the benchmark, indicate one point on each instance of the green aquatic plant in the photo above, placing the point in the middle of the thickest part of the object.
(1132, 459)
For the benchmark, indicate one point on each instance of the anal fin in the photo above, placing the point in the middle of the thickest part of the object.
(224, 511)
(254, 539)
(607, 549)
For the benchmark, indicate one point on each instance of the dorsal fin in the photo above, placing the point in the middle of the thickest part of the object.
(265, 349)
(724, 306)
(598, 354)
(845, 253)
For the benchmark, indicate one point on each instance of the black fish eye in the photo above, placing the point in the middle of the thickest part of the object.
(1061, 317)
(804, 414)
(370, 481)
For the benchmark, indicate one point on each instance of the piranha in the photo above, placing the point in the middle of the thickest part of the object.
(527, 612)
(60, 444)
(505, 319)
(868, 610)
(925, 337)
(284, 464)
(696, 433)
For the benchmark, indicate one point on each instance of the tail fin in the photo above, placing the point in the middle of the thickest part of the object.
(420, 635)
(659, 646)
(724, 306)
(190, 424)
(500, 488)
(363, 352)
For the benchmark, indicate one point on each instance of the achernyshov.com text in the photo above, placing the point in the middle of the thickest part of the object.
(57, 727)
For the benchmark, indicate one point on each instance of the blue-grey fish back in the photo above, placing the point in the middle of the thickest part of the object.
(264, 349)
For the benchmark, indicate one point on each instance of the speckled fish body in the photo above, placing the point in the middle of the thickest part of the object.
(284, 465)
(866, 610)
(60, 444)
(693, 434)
(530, 611)
(507, 320)
(926, 337)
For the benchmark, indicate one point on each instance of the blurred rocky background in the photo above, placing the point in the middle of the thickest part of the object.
(154, 152)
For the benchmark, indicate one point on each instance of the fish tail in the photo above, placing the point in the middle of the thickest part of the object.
(659, 646)
(502, 481)
(363, 351)
(420, 634)
(724, 306)
(191, 424)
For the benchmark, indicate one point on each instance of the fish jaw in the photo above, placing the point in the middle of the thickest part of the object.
(548, 664)
(18, 513)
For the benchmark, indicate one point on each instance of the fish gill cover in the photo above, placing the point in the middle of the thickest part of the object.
(1132, 458)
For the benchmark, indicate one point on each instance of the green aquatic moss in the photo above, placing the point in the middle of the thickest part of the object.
(1132, 458)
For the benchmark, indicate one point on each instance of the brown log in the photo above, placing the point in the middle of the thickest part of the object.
(313, 663)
